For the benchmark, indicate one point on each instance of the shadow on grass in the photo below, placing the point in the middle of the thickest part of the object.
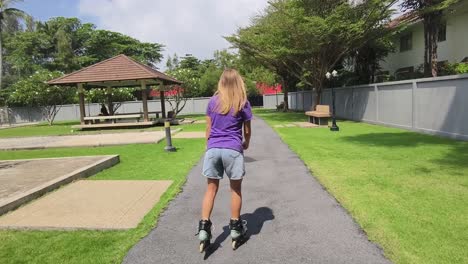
(282, 117)
(401, 139)
(255, 222)
(457, 156)
(58, 123)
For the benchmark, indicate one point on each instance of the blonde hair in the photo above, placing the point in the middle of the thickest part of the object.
(231, 93)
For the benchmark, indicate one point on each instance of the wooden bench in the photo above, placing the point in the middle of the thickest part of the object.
(320, 115)
(157, 113)
(113, 118)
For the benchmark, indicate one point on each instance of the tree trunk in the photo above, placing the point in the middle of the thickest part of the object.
(318, 98)
(318, 92)
(109, 101)
(435, 24)
(285, 100)
(285, 96)
(427, 44)
(431, 32)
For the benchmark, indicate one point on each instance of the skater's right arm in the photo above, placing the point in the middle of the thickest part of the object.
(208, 129)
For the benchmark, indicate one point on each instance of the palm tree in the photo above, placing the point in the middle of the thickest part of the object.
(9, 18)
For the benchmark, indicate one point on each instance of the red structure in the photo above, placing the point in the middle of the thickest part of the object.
(265, 89)
(169, 93)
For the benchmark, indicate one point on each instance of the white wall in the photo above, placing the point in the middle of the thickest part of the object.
(18, 115)
(454, 49)
(431, 105)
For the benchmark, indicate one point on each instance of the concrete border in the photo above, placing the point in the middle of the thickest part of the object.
(16, 201)
(173, 132)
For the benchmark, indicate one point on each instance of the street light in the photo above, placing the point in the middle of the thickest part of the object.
(329, 76)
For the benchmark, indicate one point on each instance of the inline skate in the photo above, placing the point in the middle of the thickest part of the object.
(238, 229)
(204, 234)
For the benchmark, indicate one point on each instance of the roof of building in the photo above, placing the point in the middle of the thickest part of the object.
(409, 18)
(117, 69)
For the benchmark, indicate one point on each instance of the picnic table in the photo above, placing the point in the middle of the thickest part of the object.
(113, 118)
(157, 113)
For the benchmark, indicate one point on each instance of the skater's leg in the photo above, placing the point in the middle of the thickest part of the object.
(236, 198)
(208, 200)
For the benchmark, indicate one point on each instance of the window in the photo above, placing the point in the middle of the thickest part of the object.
(404, 73)
(442, 32)
(406, 42)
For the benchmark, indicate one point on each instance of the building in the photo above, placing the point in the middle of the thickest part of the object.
(409, 54)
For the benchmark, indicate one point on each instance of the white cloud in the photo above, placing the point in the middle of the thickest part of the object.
(183, 26)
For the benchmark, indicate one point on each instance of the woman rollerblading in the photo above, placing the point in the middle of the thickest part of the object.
(228, 133)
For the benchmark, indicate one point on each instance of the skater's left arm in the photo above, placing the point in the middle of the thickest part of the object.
(247, 134)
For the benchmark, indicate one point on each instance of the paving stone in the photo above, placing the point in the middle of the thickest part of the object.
(88, 204)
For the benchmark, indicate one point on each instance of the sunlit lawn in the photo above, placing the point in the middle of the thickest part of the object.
(138, 162)
(408, 191)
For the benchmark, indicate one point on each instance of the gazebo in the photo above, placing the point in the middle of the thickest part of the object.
(119, 71)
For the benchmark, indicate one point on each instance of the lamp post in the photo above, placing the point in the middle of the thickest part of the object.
(330, 77)
(169, 147)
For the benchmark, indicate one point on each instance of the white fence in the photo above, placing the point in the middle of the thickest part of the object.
(432, 105)
(17, 115)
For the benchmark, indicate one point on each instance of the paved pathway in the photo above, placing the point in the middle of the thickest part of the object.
(96, 140)
(291, 218)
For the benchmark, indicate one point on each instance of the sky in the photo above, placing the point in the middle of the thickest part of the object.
(184, 27)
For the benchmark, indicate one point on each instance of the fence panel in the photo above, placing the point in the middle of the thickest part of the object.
(432, 105)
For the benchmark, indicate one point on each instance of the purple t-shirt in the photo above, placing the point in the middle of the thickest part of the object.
(226, 130)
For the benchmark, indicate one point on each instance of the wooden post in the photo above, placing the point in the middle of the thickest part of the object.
(109, 100)
(82, 103)
(144, 96)
(163, 103)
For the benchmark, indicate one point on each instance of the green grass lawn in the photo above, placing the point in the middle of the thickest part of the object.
(65, 128)
(138, 162)
(408, 191)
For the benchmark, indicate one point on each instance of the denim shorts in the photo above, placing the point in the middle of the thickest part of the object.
(217, 161)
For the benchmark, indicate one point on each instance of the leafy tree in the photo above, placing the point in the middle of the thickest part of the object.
(117, 96)
(223, 59)
(26, 53)
(177, 99)
(261, 75)
(66, 36)
(172, 62)
(209, 80)
(189, 62)
(431, 12)
(104, 44)
(9, 17)
(267, 42)
(300, 40)
(190, 79)
(34, 91)
(66, 44)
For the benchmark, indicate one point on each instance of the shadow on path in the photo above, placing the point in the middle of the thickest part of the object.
(255, 223)
(249, 159)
